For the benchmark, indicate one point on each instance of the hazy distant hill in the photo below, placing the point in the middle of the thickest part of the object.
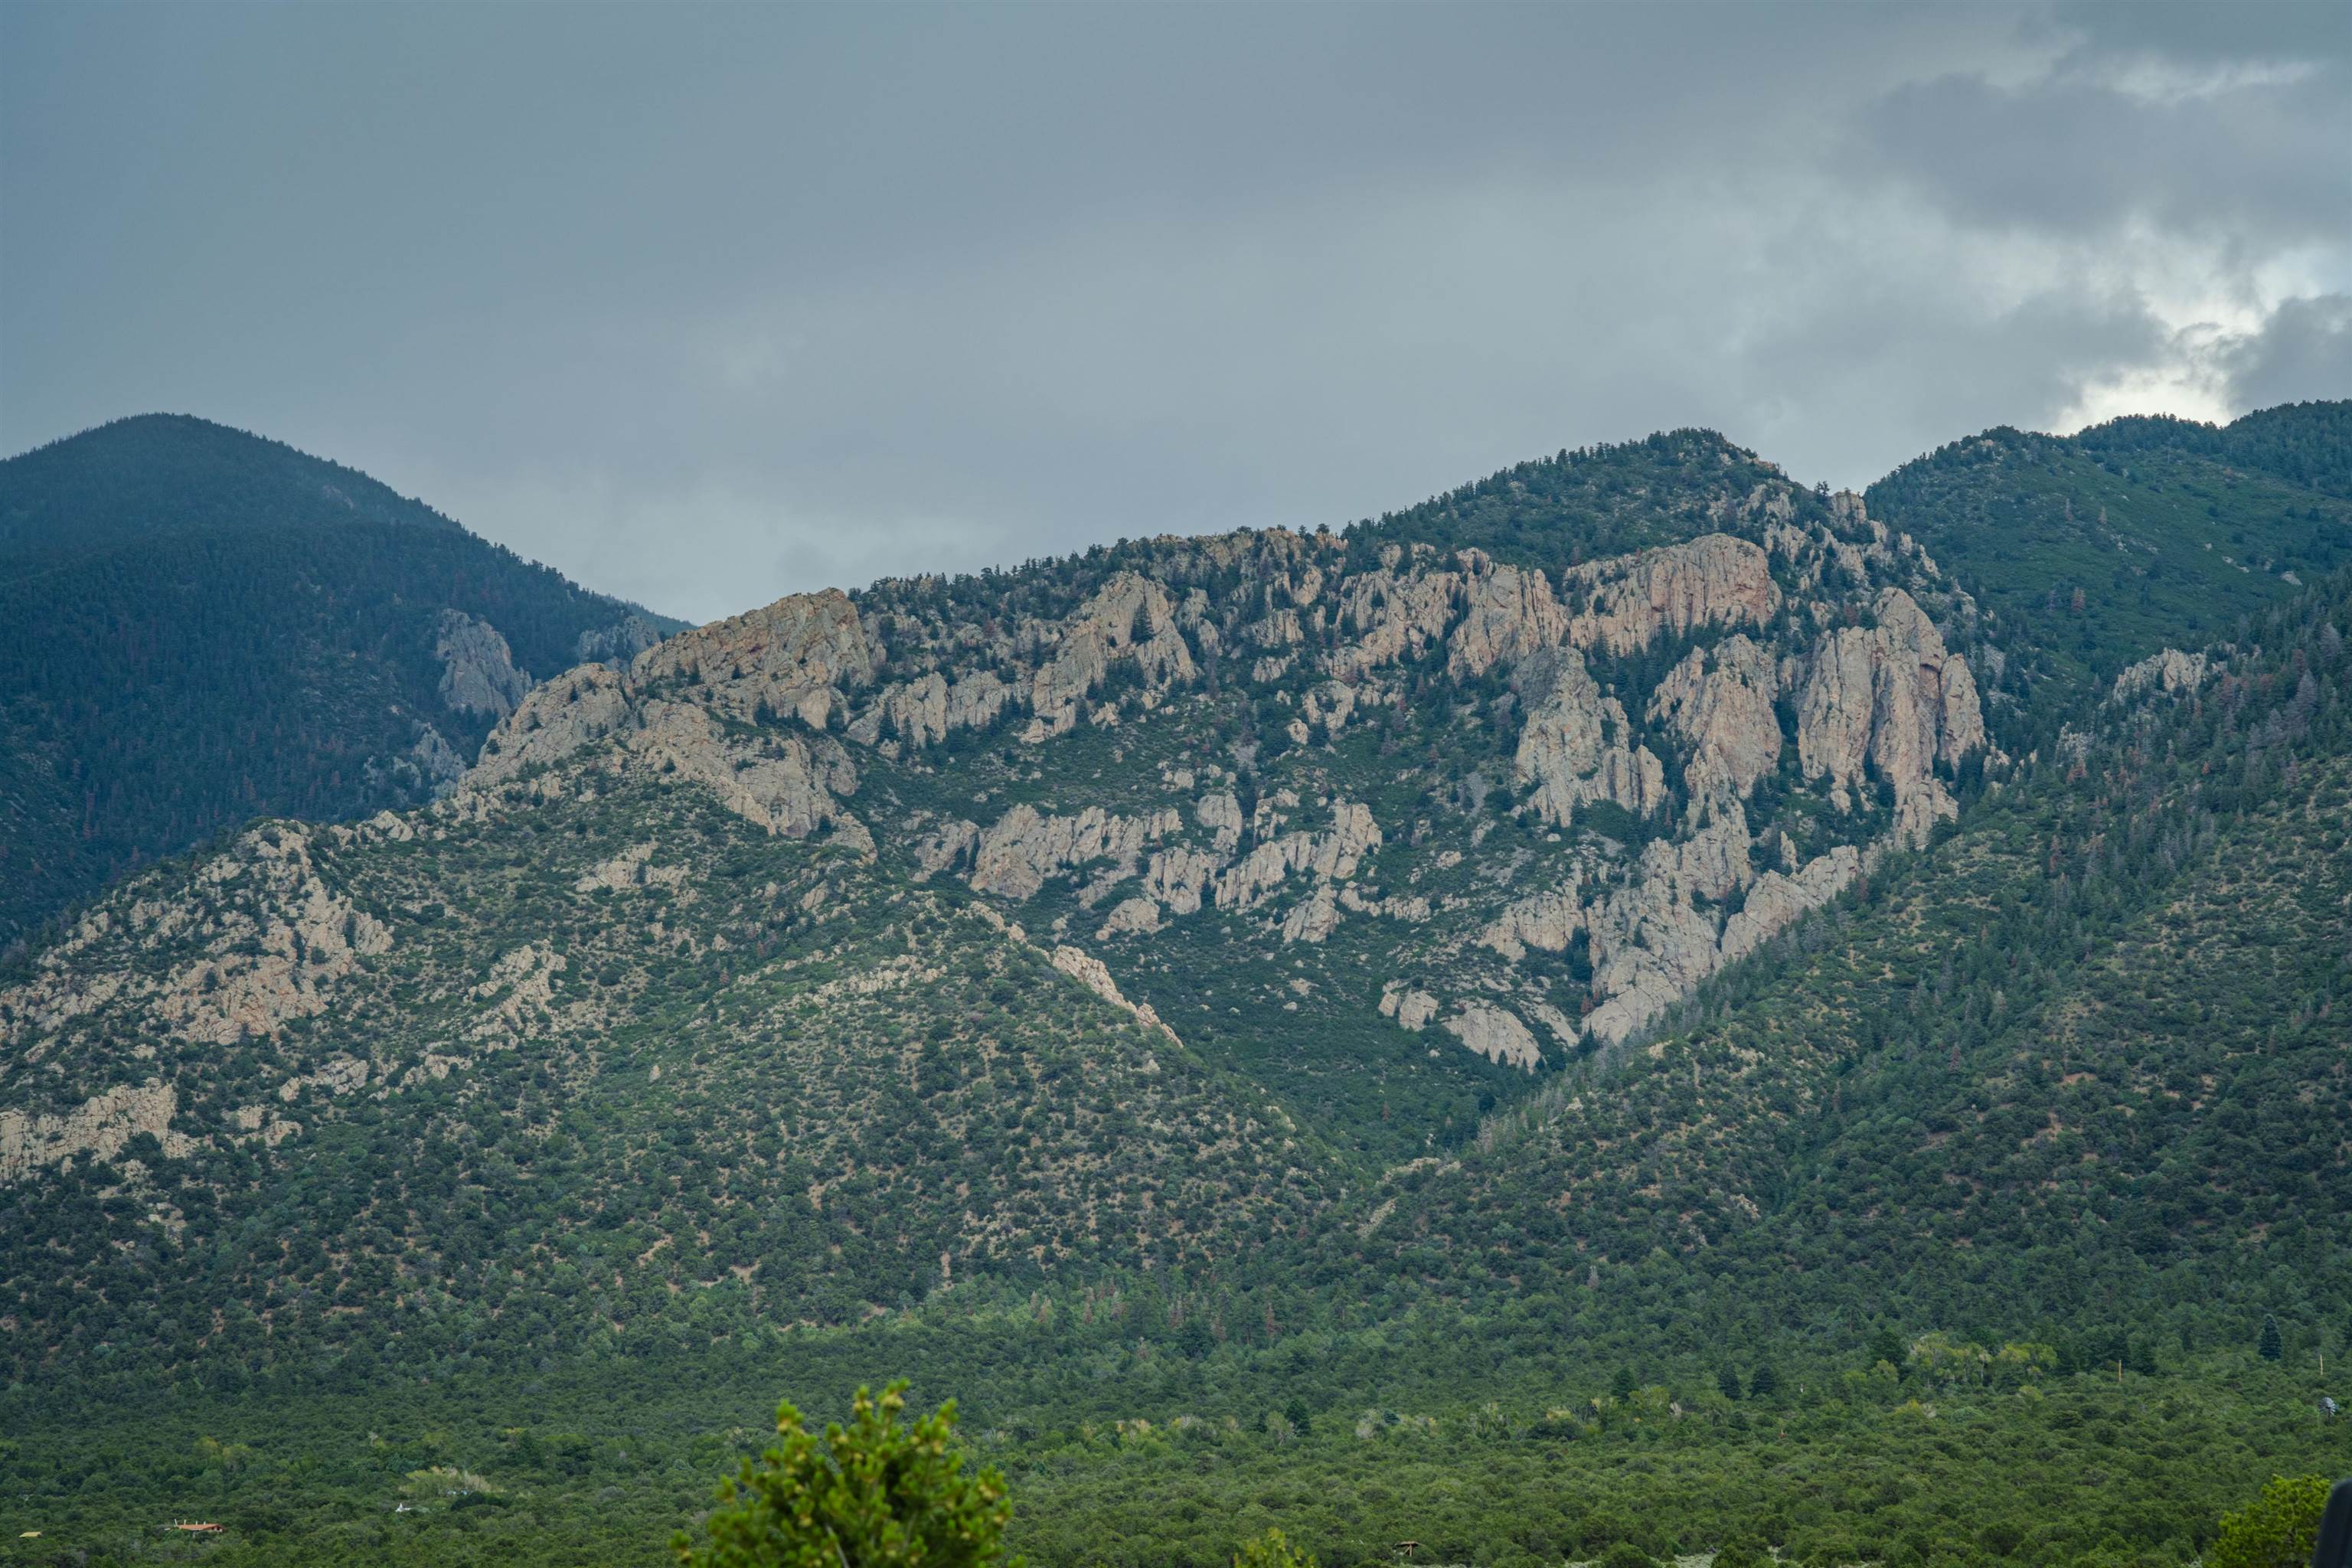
(206, 627)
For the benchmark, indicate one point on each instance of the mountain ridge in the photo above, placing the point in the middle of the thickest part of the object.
(1277, 968)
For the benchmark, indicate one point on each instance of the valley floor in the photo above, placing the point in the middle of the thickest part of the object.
(1111, 1464)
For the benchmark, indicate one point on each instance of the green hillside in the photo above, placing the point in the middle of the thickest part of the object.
(210, 627)
(1556, 1022)
(2088, 553)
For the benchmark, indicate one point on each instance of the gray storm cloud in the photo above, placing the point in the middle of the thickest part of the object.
(706, 305)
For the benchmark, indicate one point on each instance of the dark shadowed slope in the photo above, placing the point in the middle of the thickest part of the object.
(205, 627)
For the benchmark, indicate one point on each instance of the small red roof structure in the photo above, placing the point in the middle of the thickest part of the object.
(204, 1529)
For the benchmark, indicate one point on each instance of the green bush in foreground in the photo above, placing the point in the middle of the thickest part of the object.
(2276, 1530)
(870, 1495)
(1273, 1550)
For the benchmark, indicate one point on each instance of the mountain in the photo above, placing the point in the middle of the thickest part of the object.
(1489, 1027)
(209, 626)
(2089, 552)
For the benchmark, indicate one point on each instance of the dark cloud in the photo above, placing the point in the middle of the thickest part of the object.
(2260, 161)
(706, 304)
(2303, 352)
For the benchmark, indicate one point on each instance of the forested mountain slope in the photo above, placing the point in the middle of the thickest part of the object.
(1535, 958)
(1381, 834)
(2082, 1061)
(2088, 553)
(207, 627)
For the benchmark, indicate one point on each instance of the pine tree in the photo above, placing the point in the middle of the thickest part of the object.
(1887, 1345)
(1763, 1383)
(2272, 1347)
(1727, 1381)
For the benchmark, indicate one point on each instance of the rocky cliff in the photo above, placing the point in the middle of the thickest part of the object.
(1530, 794)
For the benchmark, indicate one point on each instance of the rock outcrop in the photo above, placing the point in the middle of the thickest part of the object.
(1331, 855)
(926, 709)
(1021, 850)
(1410, 1008)
(617, 644)
(798, 657)
(100, 1127)
(1548, 920)
(272, 940)
(1574, 747)
(1509, 613)
(478, 668)
(1716, 579)
(1891, 698)
(1089, 972)
(1776, 902)
(788, 783)
(2168, 673)
(1130, 620)
(1719, 701)
(1395, 615)
(1497, 1035)
(1313, 917)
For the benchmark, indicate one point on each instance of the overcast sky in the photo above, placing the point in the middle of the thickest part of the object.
(705, 304)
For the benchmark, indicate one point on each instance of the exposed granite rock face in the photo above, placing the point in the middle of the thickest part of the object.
(1313, 918)
(1129, 618)
(619, 643)
(1548, 921)
(1497, 1035)
(1883, 699)
(1395, 615)
(786, 785)
(1509, 613)
(1411, 1008)
(100, 1127)
(2170, 673)
(1022, 848)
(1221, 813)
(437, 762)
(926, 709)
(266, 940)
(783, 713)
(1719, 699)
(1892, 696)
(1089, 972)
(1573, 747)
(799, 655)
(1650, 942)
(573, 711)
(478, 668)
(1716, 579)
(630, 869)
(1178, 878)
(785, 782)
(944, 848)
(273, 940)
(1131, 917)
(1331, 855)
(1775, 900)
